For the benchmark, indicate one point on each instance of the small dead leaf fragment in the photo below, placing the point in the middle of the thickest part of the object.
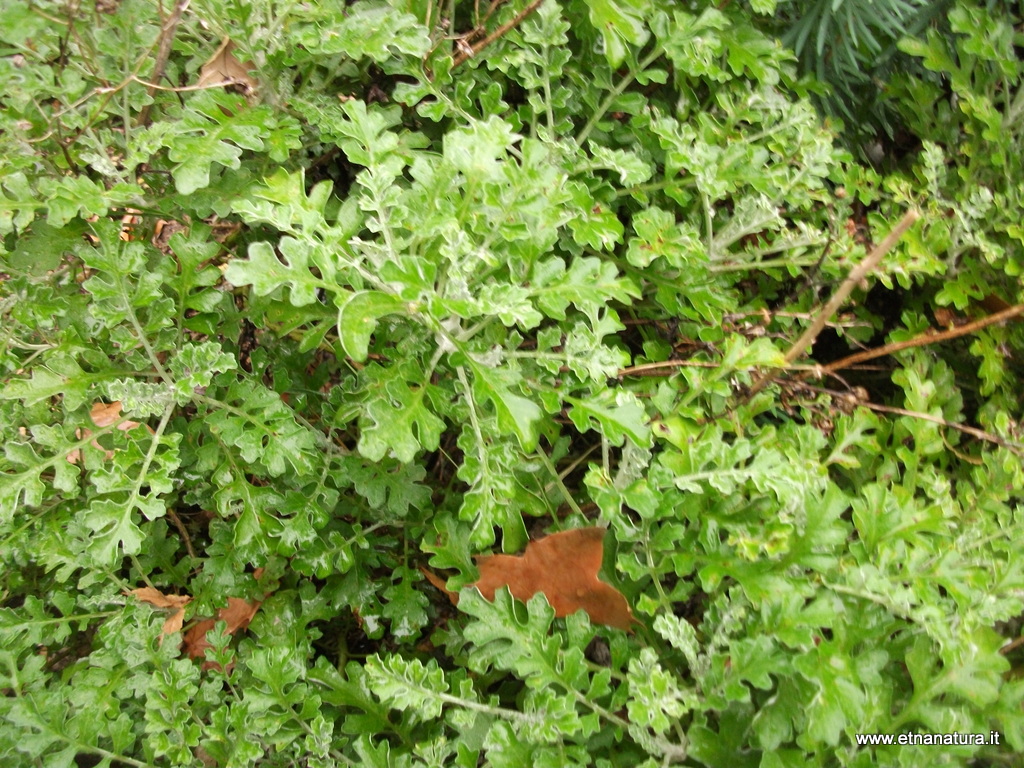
(176, 603)
(441, 584)
(103, 415)
(224, 68)
(564, 566)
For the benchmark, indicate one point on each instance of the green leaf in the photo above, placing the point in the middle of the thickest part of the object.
(479, 151)
(265, 271)
(407, 684)
(71, 196)
(511, 303)
(41, 248)
(262, 427)
(194, 367)
(362, 133)
(405, 606)
(358, 314)
(631, 168)
(589, 285)
(60, 375)
(658, 235)
(115, 534)
(516, 414)
(498, 494)
(509, 640)
(390, 486)
(283, 202)
(680, 634)
(396, 419)
(595, 224)
(367, 30)
(18, 203)
(215, 128)
(615, 415)
(621, 23)
(656, 700)
(693, 43)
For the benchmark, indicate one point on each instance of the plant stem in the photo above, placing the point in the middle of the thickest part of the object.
(615, 92)
(546, 460)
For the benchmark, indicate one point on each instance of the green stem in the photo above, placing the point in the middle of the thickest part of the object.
(546, 460)
(66, 619)
(473, 420)
(615, 92)
(655, 186)
(663, 600)
(547, 92)
(46, 726)
(782, 261)
(709, 229)
(141, 480)
(141, 333)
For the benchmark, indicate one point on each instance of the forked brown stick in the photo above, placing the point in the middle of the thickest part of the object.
(857, 274)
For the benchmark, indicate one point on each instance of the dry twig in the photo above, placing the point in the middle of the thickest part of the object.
(852, 399)
(504, 29)
(929, 337)
(167, 32)
(856, 276)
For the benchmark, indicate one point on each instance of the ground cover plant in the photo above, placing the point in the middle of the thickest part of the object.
(329, 330)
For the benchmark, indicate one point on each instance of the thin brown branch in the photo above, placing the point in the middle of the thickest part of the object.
(852, 399)
(1012, 645)
(184, 533)
(501, 31)
(666, 367)
(167, 32)
(929, 337)
(981, 434)
(856, 276)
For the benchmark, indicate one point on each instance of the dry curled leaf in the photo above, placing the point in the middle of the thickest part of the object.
(224, 68)
(105, 414)
(564, 566)
(236, 614)
(175, 603)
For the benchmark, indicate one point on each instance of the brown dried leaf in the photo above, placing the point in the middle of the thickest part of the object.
(564, 566)
(225, 69)
(157, 598)
(236, 614)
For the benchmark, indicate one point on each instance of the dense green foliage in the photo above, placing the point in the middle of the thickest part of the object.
(409, 305)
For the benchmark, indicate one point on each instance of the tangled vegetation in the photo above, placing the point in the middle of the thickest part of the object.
(310, 310)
